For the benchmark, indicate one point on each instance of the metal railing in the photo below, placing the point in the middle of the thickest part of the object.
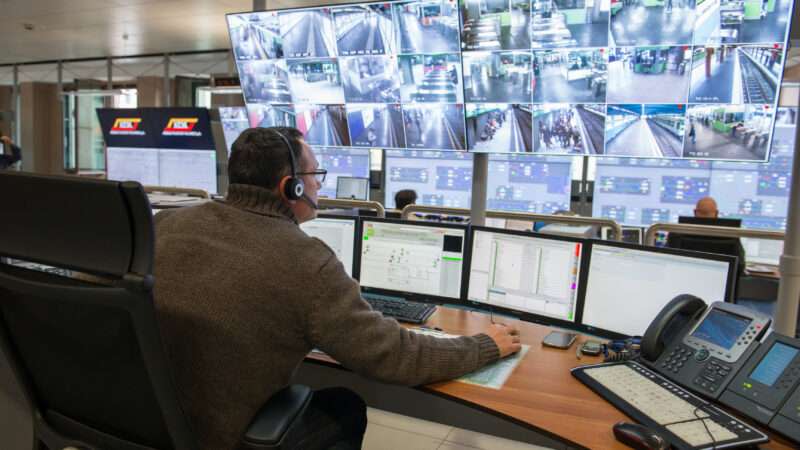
(199, 193)
(510, 215)
(332, 203)
(709, 230)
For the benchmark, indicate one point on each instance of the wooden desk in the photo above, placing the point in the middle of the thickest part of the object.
(541, 394)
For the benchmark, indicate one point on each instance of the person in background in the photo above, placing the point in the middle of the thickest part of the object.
(404, 198)
(706, 207)
(6, 159)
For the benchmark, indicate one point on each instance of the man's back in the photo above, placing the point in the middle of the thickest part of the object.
(220, 318)
(242, 295)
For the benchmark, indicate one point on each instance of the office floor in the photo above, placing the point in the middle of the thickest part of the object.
(389, 431)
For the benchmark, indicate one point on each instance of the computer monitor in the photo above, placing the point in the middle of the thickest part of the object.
(627, 285)
(714, 221)
(339, 233)
(420, 260)
(352, 188)
(530, 276)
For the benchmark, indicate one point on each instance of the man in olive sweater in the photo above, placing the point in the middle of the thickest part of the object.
(243, 294)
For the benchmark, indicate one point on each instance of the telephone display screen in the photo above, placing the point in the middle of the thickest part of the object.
(774, 363)
(721, 328)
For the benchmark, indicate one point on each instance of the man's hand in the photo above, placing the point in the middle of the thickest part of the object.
(6, 140)
(506, 337)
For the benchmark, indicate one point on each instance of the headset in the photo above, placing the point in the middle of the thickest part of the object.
(294, 188)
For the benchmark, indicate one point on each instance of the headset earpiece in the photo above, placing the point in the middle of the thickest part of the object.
(293, 188)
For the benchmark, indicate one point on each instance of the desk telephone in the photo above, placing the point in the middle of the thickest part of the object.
(699, 347)
(715, 351)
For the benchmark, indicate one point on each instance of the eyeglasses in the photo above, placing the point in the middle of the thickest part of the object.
(319, 175)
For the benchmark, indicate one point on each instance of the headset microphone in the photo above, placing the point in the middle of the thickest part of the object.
(308, 200)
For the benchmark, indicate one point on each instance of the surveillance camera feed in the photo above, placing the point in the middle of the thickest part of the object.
(671, 79)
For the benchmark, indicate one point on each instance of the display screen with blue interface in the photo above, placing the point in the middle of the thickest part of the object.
(529, 183)
(721, 328)
(774, 363)
(658, 79)
(344, 162)
(642, 192)
(438, 178)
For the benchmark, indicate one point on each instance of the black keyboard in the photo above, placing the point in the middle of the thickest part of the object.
(400, 308)
(687, 422)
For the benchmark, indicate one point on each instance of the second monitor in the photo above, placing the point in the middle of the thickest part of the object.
(531, 275)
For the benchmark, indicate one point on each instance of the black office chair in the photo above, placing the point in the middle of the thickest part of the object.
(86, 348)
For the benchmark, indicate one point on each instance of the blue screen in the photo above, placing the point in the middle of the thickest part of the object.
(773, 365)
(344, 162)
(529, 183)
(721, 328)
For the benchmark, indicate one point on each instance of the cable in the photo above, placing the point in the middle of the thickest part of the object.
(710, 434)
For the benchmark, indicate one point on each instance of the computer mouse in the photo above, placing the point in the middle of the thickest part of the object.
(639, 437)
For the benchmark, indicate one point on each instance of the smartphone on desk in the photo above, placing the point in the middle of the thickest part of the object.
(559, 339)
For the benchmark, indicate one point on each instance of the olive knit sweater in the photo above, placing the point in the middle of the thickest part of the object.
(243, 294)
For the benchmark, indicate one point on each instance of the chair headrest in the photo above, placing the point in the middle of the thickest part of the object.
(94, 226)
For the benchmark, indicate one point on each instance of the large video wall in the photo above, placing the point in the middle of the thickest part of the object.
(680, 79)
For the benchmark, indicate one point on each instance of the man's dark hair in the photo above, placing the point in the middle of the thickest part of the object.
(404, 198)
(259, 156)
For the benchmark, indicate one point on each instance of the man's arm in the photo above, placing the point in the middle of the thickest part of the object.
(343, 325)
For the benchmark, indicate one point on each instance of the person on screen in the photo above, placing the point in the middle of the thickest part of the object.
(404, 198)
(243, 295)
(706, 207)
(8, 159)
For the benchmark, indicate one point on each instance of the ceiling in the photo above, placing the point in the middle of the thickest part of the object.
(67, 29)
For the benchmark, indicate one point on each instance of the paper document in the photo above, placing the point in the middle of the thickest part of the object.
(495, 375)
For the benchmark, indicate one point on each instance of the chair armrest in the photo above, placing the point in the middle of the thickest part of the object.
(274, 419)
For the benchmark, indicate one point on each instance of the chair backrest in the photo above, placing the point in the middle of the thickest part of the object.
(86, 349)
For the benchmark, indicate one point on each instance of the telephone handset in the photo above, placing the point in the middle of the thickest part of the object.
(702, 347)
(669, 322)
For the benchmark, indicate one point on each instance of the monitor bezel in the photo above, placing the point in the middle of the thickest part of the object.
(339, 180)
(729, 284)
(526, 315)
(356, 247)
(411, 296)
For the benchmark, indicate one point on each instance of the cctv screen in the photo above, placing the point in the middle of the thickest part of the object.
(525, 273)
(234, 121)
(626, 288)
(655, 79)
(419, 259)
(339, 234)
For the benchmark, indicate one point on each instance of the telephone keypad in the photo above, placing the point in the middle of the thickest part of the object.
(676, 359)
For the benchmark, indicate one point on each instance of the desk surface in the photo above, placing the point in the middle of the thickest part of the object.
(541, 393)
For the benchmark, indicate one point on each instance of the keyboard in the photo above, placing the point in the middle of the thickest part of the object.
(687, 422)
(400, 308)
